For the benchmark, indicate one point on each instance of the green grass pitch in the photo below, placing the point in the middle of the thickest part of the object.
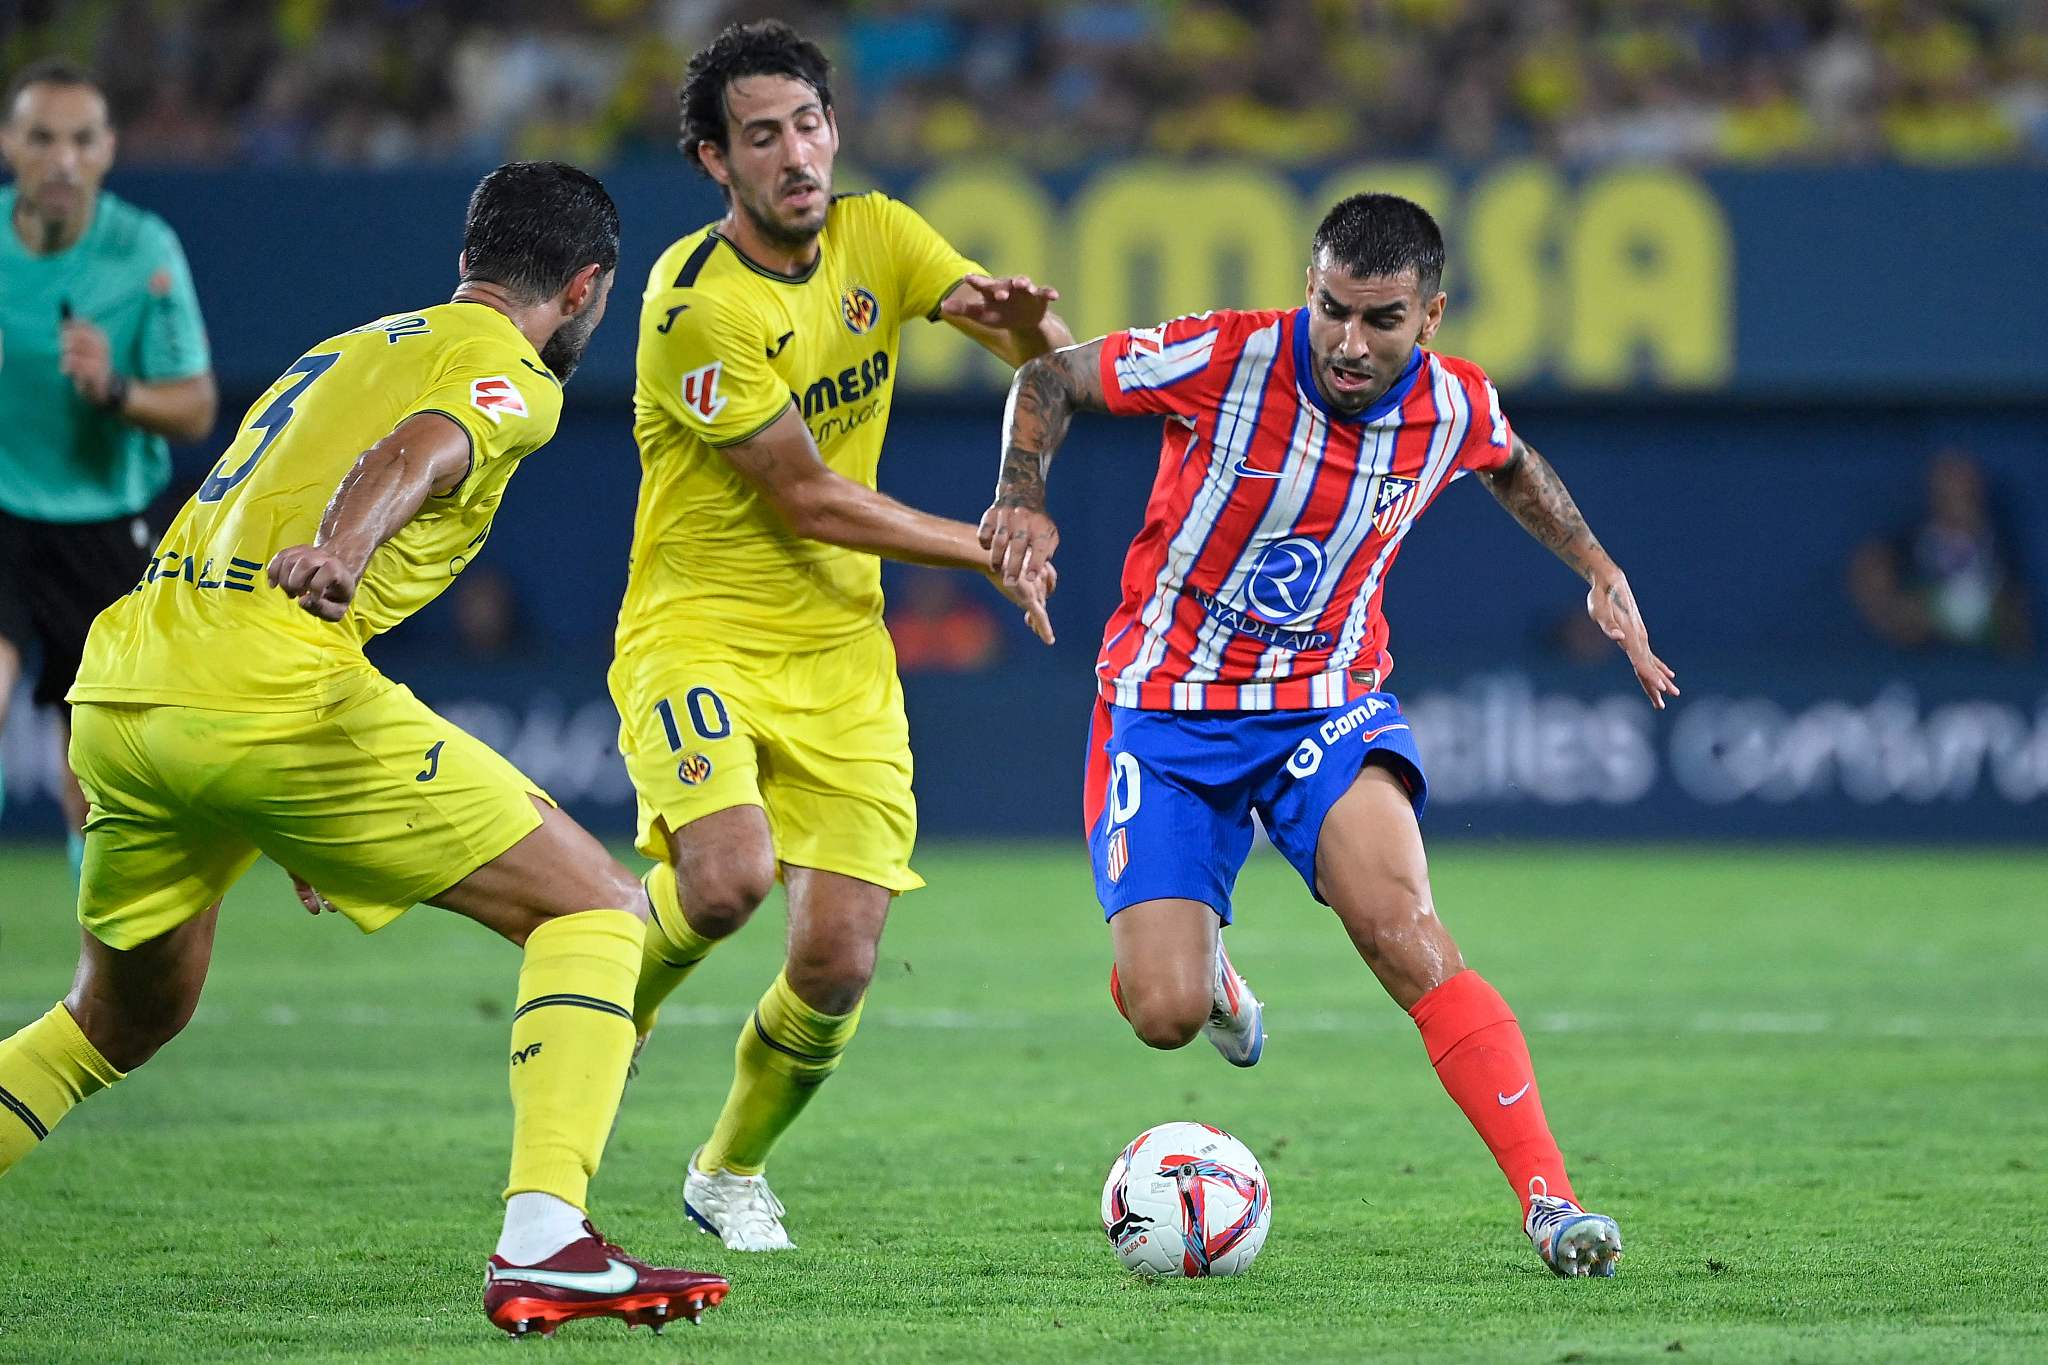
(1813, 1086)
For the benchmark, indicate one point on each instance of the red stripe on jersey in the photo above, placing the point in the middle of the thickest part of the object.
(1269, 572)
(1412, 442)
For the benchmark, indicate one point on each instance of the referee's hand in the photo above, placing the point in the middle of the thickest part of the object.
(85, 357)
(318, 578)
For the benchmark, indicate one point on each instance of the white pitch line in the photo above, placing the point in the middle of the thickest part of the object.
(1745, 1023)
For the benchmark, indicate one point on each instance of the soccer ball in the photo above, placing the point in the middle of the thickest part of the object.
(1185, 1199)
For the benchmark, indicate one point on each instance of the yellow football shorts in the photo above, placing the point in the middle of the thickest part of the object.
(375, 800)
(818, 739)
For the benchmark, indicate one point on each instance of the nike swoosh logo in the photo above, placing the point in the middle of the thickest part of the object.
(1510, 1099)
(1248, 472)
(616, 1280)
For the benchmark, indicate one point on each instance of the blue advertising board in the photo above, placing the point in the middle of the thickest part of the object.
(1779, 283)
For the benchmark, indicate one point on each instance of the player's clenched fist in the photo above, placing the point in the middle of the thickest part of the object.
(320, 579)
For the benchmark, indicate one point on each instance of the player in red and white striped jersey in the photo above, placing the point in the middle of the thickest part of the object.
(1244, 670)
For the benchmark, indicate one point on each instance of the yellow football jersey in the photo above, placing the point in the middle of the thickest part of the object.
(725, 347)
(205, 628)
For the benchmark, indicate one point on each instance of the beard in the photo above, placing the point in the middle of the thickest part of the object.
(564, 351)
(790, 234)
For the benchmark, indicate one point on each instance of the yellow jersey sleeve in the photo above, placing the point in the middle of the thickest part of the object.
(506, 406)
(927, 266)
(704, 362)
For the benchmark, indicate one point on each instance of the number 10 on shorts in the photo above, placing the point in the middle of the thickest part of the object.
(708, 717)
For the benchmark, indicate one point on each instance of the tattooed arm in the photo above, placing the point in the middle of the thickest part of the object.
(1047, 392)
(1533, 493)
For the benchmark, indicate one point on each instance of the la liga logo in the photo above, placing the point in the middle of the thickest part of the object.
(860, 310)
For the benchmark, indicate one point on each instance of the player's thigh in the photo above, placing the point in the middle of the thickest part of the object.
(131, 1001)
(383, 804)
(1153, 833)
(838, 782)
(687, 733)
(557, 869)
(724, 864)
(153, 859)
(1165, 963)
(1371, 870)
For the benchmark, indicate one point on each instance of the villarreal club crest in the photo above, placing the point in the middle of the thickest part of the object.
(861, 311)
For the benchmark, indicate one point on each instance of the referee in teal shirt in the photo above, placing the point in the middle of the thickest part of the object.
(102, 356)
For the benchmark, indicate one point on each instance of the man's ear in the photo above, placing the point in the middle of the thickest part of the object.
(712, 158)
(1432, 318)
(576, 297)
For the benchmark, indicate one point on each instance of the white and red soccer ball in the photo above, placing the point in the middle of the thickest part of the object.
(1186, 1200)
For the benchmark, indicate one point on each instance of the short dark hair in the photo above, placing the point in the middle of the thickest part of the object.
(50, 71)
(1382, 234)
(767, 48)
(533, 224)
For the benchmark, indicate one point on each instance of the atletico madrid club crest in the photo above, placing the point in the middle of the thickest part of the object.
(1119, 856)
(1393, 500)
(860, 310)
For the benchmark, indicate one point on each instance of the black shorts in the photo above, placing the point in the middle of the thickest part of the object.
(55, 577)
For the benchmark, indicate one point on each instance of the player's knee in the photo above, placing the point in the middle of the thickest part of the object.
(1166, 1019)
(128, 1037)
(717, 902)
(832, 978)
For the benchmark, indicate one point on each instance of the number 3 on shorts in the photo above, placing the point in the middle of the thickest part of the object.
(707, 714)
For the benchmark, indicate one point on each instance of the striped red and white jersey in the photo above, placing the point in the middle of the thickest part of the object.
(1255, 583)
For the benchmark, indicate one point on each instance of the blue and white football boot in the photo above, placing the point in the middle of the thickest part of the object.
(1571, 1241)
(1237, 1021)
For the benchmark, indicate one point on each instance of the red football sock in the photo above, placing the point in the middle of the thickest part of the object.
(1479, 1054)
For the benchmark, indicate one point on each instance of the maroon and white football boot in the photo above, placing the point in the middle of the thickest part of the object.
(592, 1278)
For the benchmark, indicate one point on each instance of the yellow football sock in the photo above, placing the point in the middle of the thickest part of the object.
(785, 1052)
(672, 951)
(45, 1069)
(572, 1036)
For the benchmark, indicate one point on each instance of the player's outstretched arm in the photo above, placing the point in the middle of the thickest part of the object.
(822, 504)
(1008, 316)
(1531, 490)
(1044, 397)
(425, 455)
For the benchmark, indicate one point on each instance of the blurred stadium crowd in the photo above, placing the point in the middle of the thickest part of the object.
(382, 82)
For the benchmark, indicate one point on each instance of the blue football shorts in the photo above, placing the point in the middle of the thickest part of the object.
(1170, 795)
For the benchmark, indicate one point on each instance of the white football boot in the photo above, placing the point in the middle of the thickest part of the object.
(1237, 1021)
(1571, 1241)
(739, 1210)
